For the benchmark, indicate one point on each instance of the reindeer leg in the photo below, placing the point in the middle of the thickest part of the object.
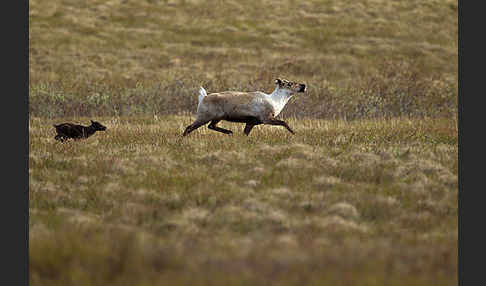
(195, 125)
(213, 126)
(274, 121)
(248, 128)
(61, 138)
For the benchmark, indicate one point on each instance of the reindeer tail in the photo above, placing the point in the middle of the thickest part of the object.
(202, 94)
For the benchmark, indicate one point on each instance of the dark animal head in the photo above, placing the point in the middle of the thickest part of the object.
(97, 126)
(291, 86)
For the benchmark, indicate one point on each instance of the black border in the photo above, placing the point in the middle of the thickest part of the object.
(15, 118)
(471, 88)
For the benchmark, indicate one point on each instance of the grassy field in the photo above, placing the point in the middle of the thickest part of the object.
(365, 193)
(368, 202)
(359, 58)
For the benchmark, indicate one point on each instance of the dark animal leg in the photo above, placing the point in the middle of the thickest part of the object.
(60, 137)
(213, 126)
(248, 128)
(278, 122)
(195, 125)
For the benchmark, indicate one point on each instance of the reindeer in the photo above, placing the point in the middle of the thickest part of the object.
(253, 108)
(70, 130)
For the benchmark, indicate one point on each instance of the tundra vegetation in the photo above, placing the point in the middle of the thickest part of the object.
(364, 193)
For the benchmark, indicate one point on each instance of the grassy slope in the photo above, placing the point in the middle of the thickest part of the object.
(371, 201)
(121, 40)
(135, 57)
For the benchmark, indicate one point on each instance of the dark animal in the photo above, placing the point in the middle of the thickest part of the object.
(74, 131)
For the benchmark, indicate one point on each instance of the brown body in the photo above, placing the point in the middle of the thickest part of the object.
(75, 131)
(235, 106)
(252, 108)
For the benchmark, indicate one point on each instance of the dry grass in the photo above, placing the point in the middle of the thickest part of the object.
(360, 59)
(140, 205)
(123, 42)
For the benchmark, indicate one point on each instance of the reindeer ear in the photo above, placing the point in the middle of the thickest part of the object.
(278, 81)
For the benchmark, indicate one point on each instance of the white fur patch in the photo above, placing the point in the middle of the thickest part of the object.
(278, 99)
(202, 94)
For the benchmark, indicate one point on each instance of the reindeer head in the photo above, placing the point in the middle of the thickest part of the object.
(97, 126)
(292, 87)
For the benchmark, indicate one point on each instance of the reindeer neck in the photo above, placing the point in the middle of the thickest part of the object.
(279, 98)
(88, 131)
